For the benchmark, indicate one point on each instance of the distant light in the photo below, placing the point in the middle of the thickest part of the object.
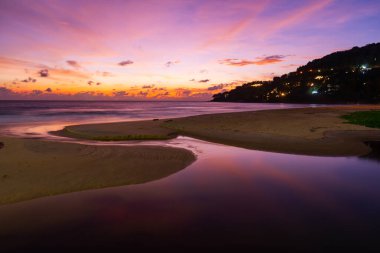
(314, 92)
(364, 66)
(283, 94)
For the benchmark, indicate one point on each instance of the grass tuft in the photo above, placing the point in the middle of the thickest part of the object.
(364, 118)
(128, 137)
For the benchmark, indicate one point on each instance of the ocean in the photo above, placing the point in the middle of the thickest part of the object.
(85, 111)
(37, 118)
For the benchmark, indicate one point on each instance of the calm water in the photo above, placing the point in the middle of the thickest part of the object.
(39, 117)
(77, 111)
(229, 198)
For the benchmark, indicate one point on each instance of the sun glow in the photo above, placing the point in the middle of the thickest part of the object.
(171, 50)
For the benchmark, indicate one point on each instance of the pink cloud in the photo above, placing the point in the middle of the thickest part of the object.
(228, 34)
(295, 17)
(260, 61)
(61, 36)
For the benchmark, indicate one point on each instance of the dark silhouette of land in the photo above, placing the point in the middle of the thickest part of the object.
(351, 76)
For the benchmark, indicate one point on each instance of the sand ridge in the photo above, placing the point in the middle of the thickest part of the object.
(308, 131)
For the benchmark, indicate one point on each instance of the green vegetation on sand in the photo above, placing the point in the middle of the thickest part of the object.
(364, 118)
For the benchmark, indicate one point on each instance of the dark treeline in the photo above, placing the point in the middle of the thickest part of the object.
(351, 76)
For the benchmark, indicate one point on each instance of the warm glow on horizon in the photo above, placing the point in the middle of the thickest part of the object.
(136, 50)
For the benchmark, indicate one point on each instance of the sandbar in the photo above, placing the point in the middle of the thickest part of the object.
(316, 131)
(36, 168)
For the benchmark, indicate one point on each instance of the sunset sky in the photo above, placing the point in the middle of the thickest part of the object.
(168, 49)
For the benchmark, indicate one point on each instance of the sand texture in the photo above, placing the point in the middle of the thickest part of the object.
(136, 130)
(36, 168)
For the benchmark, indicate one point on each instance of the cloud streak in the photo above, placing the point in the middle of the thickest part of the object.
(73, 64)
(78, 41)
(125, 63)
(171, 63)
(295, 16)
(272, 59)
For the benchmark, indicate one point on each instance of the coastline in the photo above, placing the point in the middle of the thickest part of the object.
(305, 131)
(32, 168)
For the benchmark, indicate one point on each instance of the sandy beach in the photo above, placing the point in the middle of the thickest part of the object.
(31, 168)
(307, 131)
(35, 168)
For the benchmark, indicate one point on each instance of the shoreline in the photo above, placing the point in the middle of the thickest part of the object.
(53, 167)
(318, 131)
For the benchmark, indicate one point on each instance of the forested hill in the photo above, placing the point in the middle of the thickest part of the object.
(351, 76)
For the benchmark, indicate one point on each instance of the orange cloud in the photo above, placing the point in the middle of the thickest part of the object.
(57, 73)
(15, 63)
(96, 92)
(261, 61)
(42, 70)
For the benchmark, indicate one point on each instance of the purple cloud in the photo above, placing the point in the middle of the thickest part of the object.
(219, 86)
(121, 93)
(29, 80)
(36, 92)
(73, 64)
(124, 63)
(44, 73)
(171, 63)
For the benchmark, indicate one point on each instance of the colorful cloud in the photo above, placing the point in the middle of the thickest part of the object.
(66, 51)
(260, 61)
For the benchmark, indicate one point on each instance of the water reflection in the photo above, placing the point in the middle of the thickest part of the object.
(229, 198)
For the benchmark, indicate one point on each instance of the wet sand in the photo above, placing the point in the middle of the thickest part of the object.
(307, 131)
(35, 168)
